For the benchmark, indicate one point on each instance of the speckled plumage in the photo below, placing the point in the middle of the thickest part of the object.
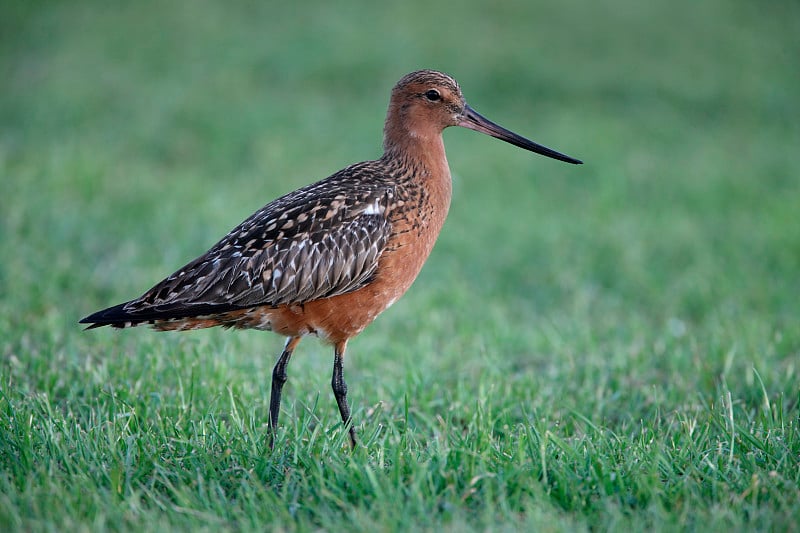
(320, 241)
(326, 259)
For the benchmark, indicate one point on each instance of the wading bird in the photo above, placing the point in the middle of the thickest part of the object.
(328, 258)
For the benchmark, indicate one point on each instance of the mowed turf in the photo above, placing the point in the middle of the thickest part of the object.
(605, 347)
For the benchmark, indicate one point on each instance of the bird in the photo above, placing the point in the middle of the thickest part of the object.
(328, 258)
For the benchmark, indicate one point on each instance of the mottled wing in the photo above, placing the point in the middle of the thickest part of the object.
(317, 242)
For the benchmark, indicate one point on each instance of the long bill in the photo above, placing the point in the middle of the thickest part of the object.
(475, 121)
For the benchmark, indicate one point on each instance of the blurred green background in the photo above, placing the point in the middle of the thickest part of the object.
(134, 135)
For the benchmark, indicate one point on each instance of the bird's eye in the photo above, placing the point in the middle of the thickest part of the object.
(433, 95)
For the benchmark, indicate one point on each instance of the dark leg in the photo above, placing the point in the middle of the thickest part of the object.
(340, 389)
(278, 379)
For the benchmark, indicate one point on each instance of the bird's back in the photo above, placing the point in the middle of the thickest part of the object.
(318, 242)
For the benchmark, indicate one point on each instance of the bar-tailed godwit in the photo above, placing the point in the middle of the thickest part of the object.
(328, 258)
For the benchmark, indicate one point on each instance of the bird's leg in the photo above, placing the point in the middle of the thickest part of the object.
(278, 379)
(340, 389)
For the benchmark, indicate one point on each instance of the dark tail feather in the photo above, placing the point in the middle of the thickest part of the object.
(118, 317)
(115, 316)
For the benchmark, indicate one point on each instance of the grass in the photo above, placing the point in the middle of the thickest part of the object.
(588, 348)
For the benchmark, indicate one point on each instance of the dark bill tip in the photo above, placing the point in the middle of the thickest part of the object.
(475, 121)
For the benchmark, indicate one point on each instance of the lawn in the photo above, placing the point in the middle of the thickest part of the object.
(602, 347)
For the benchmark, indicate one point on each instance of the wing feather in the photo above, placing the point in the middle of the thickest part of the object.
(320, 241)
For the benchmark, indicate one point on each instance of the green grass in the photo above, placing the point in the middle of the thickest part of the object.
(607, 347)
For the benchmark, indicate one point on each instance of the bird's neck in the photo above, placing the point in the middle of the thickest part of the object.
(423, 173)
(423, 159)
(416, 144)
